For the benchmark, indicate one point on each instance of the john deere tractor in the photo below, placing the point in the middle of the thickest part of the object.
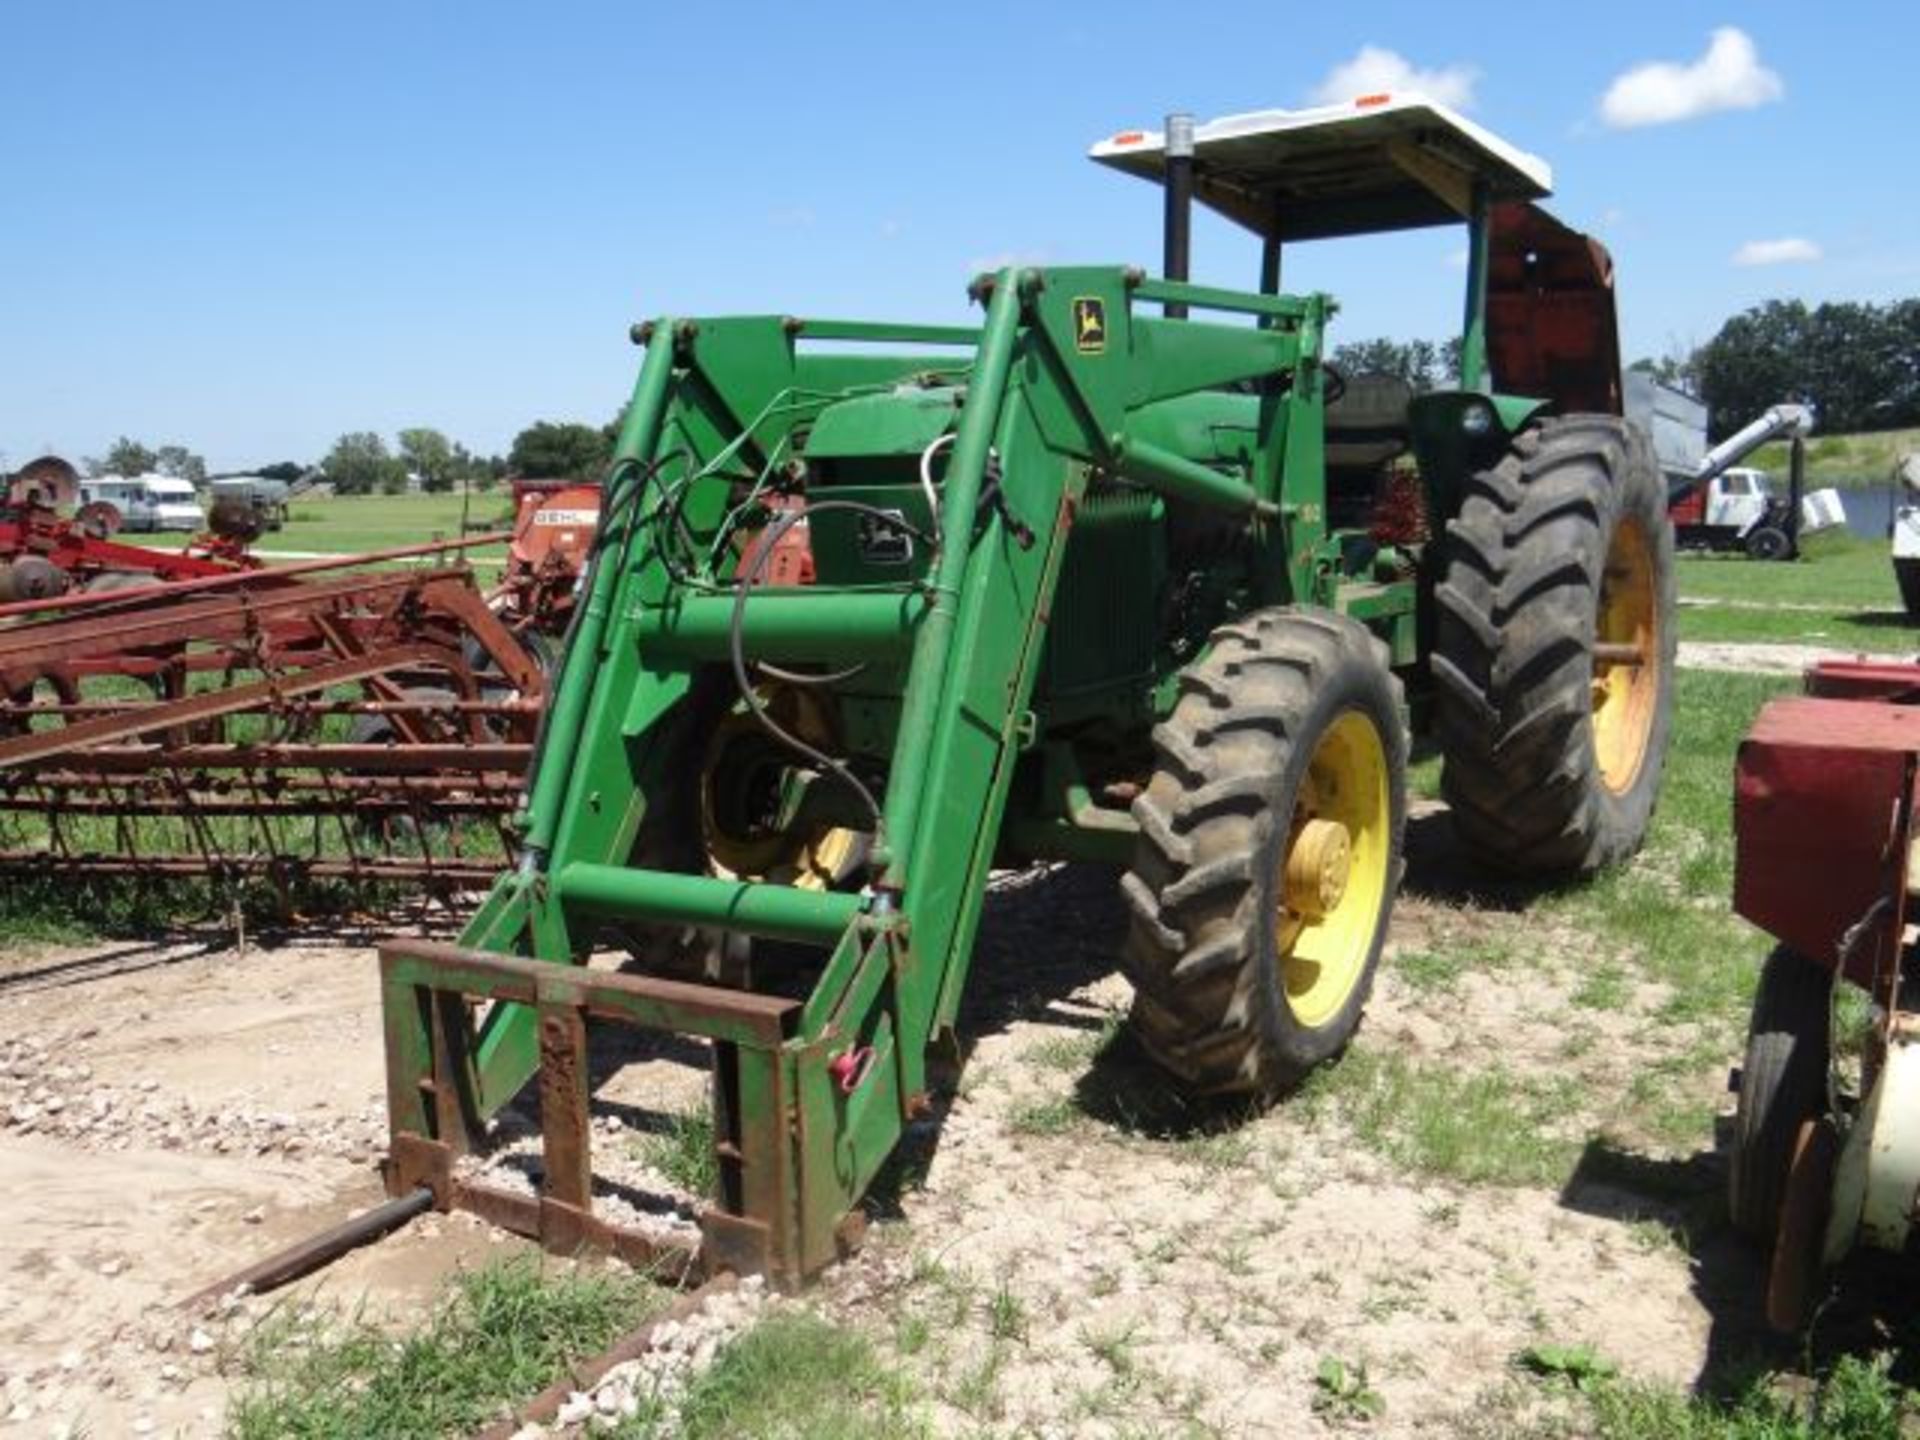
(1128, 574)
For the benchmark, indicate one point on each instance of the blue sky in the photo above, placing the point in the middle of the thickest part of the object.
(247, 228)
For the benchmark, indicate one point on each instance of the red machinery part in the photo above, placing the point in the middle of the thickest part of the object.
(1864, 680)
(1823, 802)
(550, 520)
(1690, 508)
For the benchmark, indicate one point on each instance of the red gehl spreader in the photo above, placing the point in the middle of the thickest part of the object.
(1826, 1152)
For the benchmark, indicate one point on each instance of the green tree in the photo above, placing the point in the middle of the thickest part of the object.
(559, 451)
(1858, 365)
(359, 464)
(181, 463)
(287, 471)
(430, 455)
(1423, 364)
(124, 457)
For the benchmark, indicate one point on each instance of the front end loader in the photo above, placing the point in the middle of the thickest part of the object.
(1128, 575)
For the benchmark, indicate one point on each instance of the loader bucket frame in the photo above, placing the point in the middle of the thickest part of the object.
(812, 1090)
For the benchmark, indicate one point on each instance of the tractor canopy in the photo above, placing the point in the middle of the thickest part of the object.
(1539, 316)
(1381, 162)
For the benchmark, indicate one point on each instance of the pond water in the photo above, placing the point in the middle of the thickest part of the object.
(1869, 508)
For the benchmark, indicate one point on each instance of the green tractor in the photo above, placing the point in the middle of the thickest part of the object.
(1126, 575)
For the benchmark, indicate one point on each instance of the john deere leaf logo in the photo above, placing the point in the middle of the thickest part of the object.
(1090, 325)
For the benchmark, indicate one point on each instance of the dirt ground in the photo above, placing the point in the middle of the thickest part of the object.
(1080, 1255)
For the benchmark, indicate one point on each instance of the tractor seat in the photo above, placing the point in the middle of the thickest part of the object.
(1367, 425)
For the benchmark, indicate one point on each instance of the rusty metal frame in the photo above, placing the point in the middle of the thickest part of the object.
(426, 989)
(100, 755)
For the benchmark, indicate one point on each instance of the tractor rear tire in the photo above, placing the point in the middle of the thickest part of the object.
(1783, 1085)
(1269, 853)
(1554, 745)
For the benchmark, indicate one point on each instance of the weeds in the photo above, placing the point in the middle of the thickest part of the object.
(1857, 1400)
(1044, 1116)
(683, 1152)
(1006, 1315)
(1342, 1392)
(1483, 1127)
(499, 1334)
(799, 1377)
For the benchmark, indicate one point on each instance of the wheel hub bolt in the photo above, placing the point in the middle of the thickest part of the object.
(1317, 867)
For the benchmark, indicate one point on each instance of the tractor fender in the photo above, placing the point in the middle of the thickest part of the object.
(1453, 435)
(1877, 1180)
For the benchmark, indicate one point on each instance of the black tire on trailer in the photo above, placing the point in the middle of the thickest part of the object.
(1906, 574)
(1783, 1084)
(379, 729)
(541, 648)
(1554, 649)
(1768, 542)
(1269, 853)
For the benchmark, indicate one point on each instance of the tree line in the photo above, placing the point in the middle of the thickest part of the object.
(361, 462)
(1857, 365)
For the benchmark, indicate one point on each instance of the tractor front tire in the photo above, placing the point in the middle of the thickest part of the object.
(1554, 650)
(1269, 853)
(1783, 1085)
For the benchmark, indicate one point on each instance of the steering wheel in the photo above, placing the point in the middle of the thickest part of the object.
(1335, 384)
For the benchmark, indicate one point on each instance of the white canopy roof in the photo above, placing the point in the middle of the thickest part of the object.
(1380, 162)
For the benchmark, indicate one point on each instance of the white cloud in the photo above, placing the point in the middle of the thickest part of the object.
(1457, 259)
(1776, 252)
(1728, 77)
(1376, 70)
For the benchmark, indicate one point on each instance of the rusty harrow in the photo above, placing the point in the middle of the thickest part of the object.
(338, 720)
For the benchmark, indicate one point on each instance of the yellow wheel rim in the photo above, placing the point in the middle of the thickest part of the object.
(810, 858)
(1333, 876)
(1626, 674)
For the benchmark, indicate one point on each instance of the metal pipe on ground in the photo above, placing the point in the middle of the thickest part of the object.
(318, 1250)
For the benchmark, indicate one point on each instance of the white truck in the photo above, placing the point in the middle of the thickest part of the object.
(1714, 503)
(147, 502)
(1738, 510)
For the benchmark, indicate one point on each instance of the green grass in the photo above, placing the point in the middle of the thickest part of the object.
(1669, 911)
(798, 1377)
(1841, 459)
(497, 1335)
(342, 525)
(1837, 570)
(1840, 594)
(1452, 956)
(1858, 1400)
(683, 1152)
(1840, 628)
(1483, 1127)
